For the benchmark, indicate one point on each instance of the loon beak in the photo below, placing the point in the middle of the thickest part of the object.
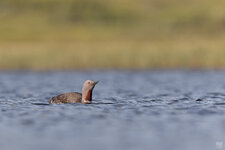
(96, 82)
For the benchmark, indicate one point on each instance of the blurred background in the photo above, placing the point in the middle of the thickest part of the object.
(112, 34)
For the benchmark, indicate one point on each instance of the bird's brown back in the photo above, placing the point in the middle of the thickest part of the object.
(72, 97)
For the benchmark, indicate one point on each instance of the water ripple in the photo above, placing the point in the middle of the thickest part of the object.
(130, 110)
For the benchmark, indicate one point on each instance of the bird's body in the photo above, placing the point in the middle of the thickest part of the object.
(75, 97)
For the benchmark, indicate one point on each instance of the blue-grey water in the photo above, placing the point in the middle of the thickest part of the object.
(131, 110)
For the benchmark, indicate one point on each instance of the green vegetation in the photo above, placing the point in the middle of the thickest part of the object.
(137, 34)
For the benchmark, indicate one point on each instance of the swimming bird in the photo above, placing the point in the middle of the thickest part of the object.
(74, 97)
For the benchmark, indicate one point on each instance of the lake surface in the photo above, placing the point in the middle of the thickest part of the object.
(131, 110)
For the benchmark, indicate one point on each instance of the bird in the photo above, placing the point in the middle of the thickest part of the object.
(74, 97)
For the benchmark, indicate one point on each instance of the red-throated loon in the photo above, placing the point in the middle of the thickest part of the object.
(75, 97)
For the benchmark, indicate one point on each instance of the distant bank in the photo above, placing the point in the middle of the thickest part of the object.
(87, 34)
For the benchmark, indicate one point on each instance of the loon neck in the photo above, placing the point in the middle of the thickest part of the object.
(87, 97)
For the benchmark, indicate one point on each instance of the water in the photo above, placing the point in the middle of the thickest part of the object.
(131, 110)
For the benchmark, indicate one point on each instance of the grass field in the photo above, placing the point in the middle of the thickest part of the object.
(138, 34)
